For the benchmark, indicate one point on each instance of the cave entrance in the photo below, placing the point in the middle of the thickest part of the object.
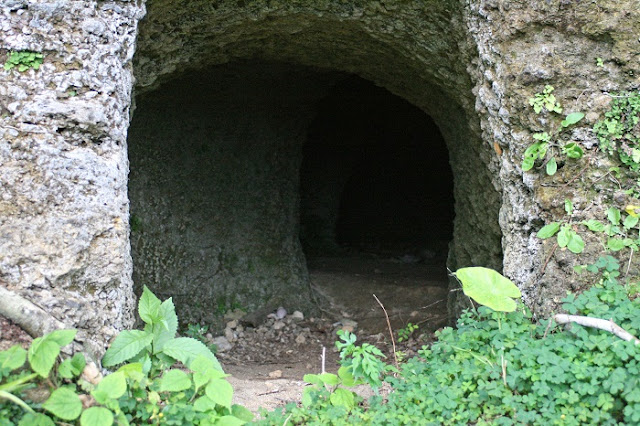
(376, 206)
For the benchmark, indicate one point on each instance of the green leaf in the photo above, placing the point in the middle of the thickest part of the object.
(528, 163)
(613, 215)
(204, 370)
(329, 379)
(128, 344)
(64, 403)
(568, 206)
(576, 244)
(72, 367)
(630, 222)
(12, 358)
(572, 118)
(615, 244)
(548, 230)
(186, 349)
(204, 404)
(149, 306)
(489, 288)
(229, 421)
(552, 166)
(594, 225)
(36, 419)
(42, 355)
(165, 327)
(242, 413)
(342, 398)
(112, 386)
(346, 377)
(96, 416)
(174, 381)
(62, 337)
(573, 150)
(564, 235)
(220, 392)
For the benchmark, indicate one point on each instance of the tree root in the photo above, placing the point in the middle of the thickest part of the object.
(602, 324)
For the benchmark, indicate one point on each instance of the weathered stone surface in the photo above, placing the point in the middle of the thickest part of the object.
(63, 205)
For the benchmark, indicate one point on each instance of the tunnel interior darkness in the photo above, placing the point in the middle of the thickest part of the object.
(375, 175)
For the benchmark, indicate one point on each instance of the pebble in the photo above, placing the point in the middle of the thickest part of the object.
(300, 339)
(297, 316)
(275, 374)
(278, 325)
(281, 313)
(232, 324)
(221, 343)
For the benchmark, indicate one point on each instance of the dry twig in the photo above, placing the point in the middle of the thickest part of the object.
(393, 342)
(598, 323)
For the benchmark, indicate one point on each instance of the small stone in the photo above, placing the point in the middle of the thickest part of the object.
(278, 325)
(297, 316)
(234, 315)
(281, 312)
(275, 374)
(221, 343)
(300, 339)
(232, 324)
(91, 373)
(229, 334)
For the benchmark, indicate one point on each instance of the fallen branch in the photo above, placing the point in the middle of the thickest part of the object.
(32, 318)
(598, 323)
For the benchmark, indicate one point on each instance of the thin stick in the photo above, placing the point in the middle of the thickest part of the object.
(546, 262)
(504, 369)
(598, 323)
(324, 353)
(629, 264)
(393, 342)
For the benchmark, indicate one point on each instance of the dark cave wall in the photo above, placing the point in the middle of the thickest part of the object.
(214, 188)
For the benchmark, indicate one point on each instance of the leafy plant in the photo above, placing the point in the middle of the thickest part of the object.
(155, 387)
(363, 362)
(565, 231)
(198, 332)
(406, 332)
(489, 288)
(24, 60)
(545, 141)
(618, 132)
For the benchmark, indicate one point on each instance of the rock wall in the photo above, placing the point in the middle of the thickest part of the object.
(64, 211)
(471, 66)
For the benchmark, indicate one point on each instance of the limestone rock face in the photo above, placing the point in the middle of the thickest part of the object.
(215, 206)
(64, 212)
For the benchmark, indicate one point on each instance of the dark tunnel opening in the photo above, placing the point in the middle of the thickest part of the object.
(375, 177)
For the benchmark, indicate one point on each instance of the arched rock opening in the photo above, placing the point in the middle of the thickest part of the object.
(375, 176)
(216, 151)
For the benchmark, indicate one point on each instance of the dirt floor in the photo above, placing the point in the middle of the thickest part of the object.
(268, 360)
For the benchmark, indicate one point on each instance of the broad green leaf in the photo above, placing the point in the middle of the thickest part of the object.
(548, 230)
(220, 392)
(132, 371)
(36, 419)
(12, 358)
(64, 403)
(572, 118)
(204, 370)
(62, 337)
(166, 327)
(72, 367)
(113, 386)
(241, 412)
(229, 421)
(174, 381)
(307, 399)
(552, 166)
(594, 225)
(42, 355)
(573, 150)
(615, 244)
(312, 379)
(630, 222)
(564, 235)
(148, 306)
(128, 344)
(186, 349)
(528, 163)
(576, 244)
(96, 416)
(489, 288)
(613, 215)
(342, 398)
(329, 379)
(346, 377)
(203, 404)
